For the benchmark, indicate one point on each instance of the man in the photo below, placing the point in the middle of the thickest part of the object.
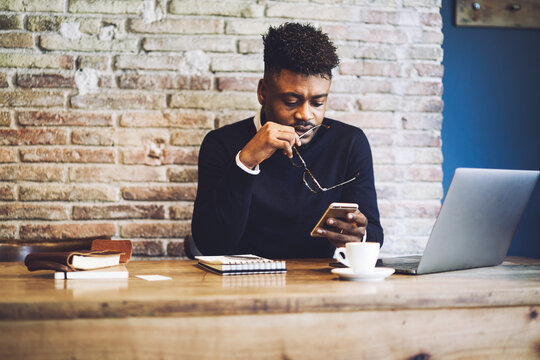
(265, 181)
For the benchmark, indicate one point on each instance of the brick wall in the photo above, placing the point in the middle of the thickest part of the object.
(103, 106)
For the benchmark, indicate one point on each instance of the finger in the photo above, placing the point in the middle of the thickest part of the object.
(357, 218)
(336, 238)
(347, 227)
(285, 147)
(291, 137)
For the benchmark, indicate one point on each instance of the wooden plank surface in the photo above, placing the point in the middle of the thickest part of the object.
(498, 13)
(487, 313)
(484, 333)
(308, 286)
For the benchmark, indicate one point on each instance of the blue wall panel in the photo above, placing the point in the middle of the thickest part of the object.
(492, 108)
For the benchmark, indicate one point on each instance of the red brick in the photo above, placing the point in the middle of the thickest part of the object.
(250, 46)
(390, 210)
(177, 229)
(351, 68)
(149, 62)
(181, 211)
(31, 98)
(383, 155)
(431, 19)
(379, 138)
(236, 83)
(379, 102)
(8, 232)
(182, 174)
(170, 119)
(417, 227)
(376, 35)
(140, 157)
(93, 62)
(188, 137)
(10, 22)
(355, 86)
(428, 210)
(32, 137)
(141, 137)
(38, 60)
(180, 156)
(36, 232)
(16, 40)
(378, 17)
(8, 155)
(116, 173)
(67, 192)
(421, 139)
(87, 137)
(119, 100)
(160, 193)
(422, 121)
(214, 100)
(341, 102)
(388, 69)
(185, 25)
(165, 81)
(69, 155)
(147, 248)
(429, 70)
(418, 156)
(228, 117)
(419, 88)
(3, 80)
(41, 173)
(422, 104)
(168, 156)
(427, 190)
(45, 81)
(425, 173)
(5, 118)
(388, 172)
(63, 118)
(30, 211)
(377, 120)
(425, 52)
(336, 32)
(106, 81)
(118, 212)
(378, 52)
(429, 37)
(176, 248)
(8, 192)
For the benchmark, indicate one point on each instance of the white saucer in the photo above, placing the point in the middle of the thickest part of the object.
(379, 273)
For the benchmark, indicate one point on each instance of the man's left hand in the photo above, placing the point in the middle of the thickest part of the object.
(340, 231)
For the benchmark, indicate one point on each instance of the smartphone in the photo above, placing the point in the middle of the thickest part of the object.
(335, 210)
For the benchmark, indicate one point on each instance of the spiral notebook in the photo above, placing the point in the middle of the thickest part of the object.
(241, 264)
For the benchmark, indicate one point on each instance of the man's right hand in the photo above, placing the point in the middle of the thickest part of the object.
(271, 137)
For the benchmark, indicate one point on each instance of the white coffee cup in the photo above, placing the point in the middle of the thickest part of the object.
(360, 256)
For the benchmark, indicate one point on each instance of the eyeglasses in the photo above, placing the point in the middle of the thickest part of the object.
(307, 177)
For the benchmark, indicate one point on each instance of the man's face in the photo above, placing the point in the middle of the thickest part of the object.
(294, 99)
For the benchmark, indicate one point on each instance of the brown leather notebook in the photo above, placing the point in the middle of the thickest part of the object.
(72, 260)
(123, 246)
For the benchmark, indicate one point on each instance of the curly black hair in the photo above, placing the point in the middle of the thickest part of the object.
(299, 48)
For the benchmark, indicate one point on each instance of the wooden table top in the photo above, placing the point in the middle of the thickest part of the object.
(308, 286)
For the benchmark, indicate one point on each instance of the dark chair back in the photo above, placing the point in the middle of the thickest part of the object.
(190, 248)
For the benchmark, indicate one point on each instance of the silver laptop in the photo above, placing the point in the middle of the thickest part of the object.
(476, 224)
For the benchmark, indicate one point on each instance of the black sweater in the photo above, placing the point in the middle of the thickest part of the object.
(272, 214)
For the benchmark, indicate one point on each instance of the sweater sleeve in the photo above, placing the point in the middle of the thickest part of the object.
(362, 191)
(223, 199)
